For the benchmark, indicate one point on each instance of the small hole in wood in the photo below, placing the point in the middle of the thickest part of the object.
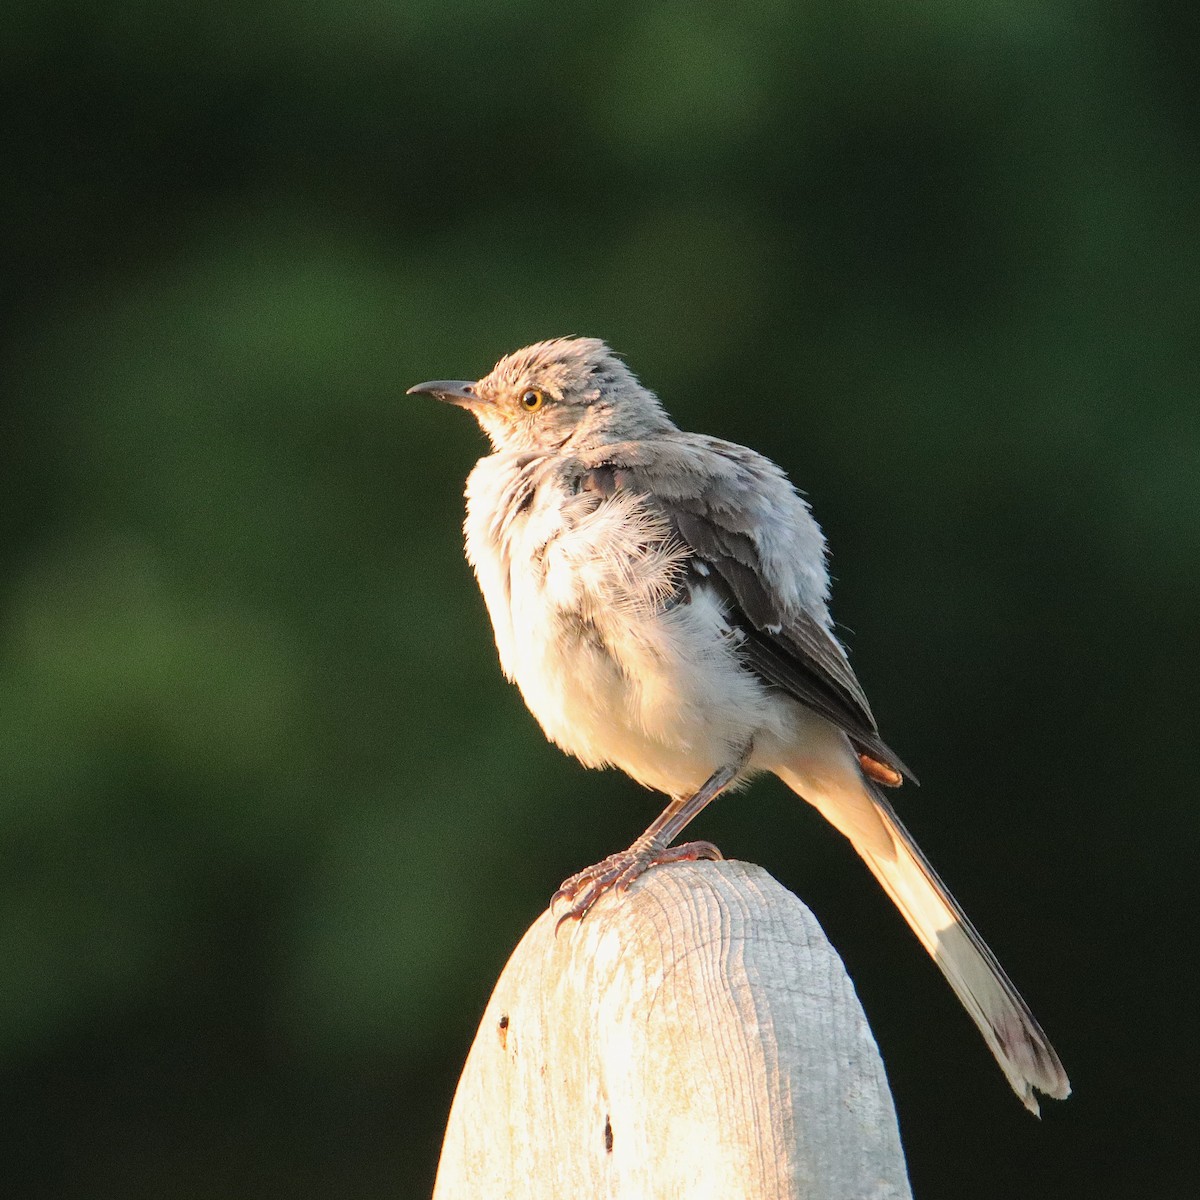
(607, 1134)
(503, 1029)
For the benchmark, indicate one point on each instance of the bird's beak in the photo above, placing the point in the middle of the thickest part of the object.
(452, 391)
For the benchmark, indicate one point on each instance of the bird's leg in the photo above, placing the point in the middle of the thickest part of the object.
(653, 848)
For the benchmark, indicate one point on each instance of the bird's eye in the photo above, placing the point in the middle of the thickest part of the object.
(532, 399)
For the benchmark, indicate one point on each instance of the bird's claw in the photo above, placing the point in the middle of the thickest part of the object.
(617, 873)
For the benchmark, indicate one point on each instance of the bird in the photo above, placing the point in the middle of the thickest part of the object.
(661, 600)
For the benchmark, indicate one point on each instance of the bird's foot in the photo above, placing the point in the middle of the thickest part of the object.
(617, 873)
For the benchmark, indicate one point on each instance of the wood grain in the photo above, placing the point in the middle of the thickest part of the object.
(697, 1037)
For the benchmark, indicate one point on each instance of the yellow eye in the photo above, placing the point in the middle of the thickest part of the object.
(532, 399)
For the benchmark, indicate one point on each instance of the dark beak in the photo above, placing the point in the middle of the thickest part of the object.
(452, 391)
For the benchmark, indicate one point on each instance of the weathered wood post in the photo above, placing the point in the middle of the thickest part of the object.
(697, 1037)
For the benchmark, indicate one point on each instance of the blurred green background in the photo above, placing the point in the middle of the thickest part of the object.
(270, 819)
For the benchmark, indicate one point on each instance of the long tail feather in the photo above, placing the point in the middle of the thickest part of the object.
(856, 808)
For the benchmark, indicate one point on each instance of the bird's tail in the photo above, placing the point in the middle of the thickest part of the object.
(856, 808)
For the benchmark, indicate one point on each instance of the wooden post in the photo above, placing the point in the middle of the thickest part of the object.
(697, 1037)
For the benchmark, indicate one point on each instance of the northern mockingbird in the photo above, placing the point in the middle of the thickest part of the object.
(661, 600)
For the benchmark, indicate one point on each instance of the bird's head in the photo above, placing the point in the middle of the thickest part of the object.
(567, 392)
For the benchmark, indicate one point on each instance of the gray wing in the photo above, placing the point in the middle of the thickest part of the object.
(785, 645)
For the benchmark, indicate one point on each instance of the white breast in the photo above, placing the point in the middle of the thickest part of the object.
(579, 592)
